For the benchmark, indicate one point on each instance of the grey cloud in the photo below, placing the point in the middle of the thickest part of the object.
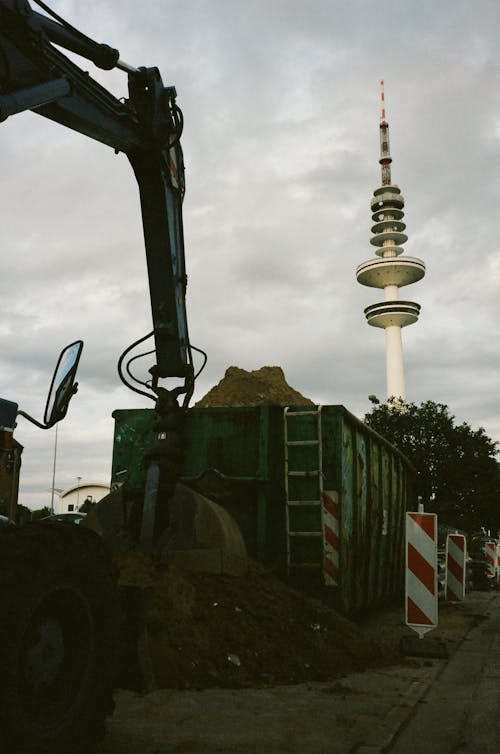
(281, 108)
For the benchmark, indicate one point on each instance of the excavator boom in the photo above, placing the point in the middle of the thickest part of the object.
(35, 75)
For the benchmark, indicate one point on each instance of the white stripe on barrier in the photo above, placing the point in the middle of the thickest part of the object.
(454, 550)
(454, 588)
(426, 545)
(489, 550)
(419, 593)
(455, 576)
(331, 546)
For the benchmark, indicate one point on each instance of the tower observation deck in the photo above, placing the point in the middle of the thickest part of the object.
(390, 271)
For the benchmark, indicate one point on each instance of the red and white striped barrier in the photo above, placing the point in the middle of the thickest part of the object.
(498, 562)
(456, 566)
(421, 572)
(331, 546)
(490, 553)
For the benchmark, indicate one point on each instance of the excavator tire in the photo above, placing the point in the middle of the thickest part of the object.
(58, 635)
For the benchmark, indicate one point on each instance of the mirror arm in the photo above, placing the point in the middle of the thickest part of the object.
(33, 421)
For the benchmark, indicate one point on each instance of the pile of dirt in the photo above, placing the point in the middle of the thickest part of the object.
(210, 630)
(266, 386)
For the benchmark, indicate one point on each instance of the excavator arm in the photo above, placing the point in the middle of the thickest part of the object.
(35, 75)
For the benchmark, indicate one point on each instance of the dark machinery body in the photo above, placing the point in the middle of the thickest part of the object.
(59, 600)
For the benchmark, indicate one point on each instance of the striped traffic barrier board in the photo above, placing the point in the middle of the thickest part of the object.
(490, 553)
(498, 562)
(331, 541)
(421, 572)
(456, 566)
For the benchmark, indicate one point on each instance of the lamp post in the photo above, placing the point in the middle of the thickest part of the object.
(54, 473)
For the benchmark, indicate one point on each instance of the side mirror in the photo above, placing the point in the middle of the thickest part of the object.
(63, 385)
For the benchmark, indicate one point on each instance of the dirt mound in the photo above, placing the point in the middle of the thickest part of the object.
(266, 386)
(209, 630)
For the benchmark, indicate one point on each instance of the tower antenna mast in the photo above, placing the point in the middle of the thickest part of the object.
(385, 154)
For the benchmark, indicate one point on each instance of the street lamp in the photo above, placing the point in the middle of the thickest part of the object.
(53, 474)
(79, 479)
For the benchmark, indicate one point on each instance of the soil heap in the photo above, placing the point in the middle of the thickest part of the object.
(266, 386)
(208, 630)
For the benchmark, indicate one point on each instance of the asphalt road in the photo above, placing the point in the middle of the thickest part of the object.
(460, 714)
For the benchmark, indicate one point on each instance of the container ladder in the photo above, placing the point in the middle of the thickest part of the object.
(296, 503)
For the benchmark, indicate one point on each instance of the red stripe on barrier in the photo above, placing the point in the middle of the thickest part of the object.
(330, 505)
(331, 537)
(332, 570)
(490, 552)
(427, 523)
(455, 568)
(458, 541)
(421, 568)
(416, 616)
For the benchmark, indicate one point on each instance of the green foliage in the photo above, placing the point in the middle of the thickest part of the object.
(40, 513)
(458, 475)
(23, 515)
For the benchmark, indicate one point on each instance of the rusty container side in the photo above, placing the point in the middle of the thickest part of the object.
(132, 436)
(385, 541)
(236, 456)
(375, 522)
(375, 488)
(229, 456)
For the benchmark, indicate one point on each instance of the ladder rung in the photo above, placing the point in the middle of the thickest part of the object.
(305, 565)
(309, 503)
(304, 473)
(303, 442)
(306, 533)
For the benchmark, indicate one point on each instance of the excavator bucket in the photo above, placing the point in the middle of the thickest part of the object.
(200, 535)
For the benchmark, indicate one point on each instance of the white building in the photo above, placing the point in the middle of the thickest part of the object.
(72, 498)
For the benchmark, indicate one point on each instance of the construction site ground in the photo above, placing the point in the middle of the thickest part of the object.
(249, 665)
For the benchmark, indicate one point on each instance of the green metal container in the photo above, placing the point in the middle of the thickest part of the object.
(273, 469)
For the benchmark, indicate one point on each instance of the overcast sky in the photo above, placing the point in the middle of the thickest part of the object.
(281, 105)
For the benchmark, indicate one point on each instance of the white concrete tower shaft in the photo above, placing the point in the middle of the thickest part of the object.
(394, 365)
(391, 271)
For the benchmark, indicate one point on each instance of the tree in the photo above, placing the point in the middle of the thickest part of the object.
(23, 514)
(458, 476)
(39, 513)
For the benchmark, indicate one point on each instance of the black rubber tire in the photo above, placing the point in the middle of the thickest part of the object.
(58, 639)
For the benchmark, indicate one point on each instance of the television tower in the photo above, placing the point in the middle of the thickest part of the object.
(391, 271)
